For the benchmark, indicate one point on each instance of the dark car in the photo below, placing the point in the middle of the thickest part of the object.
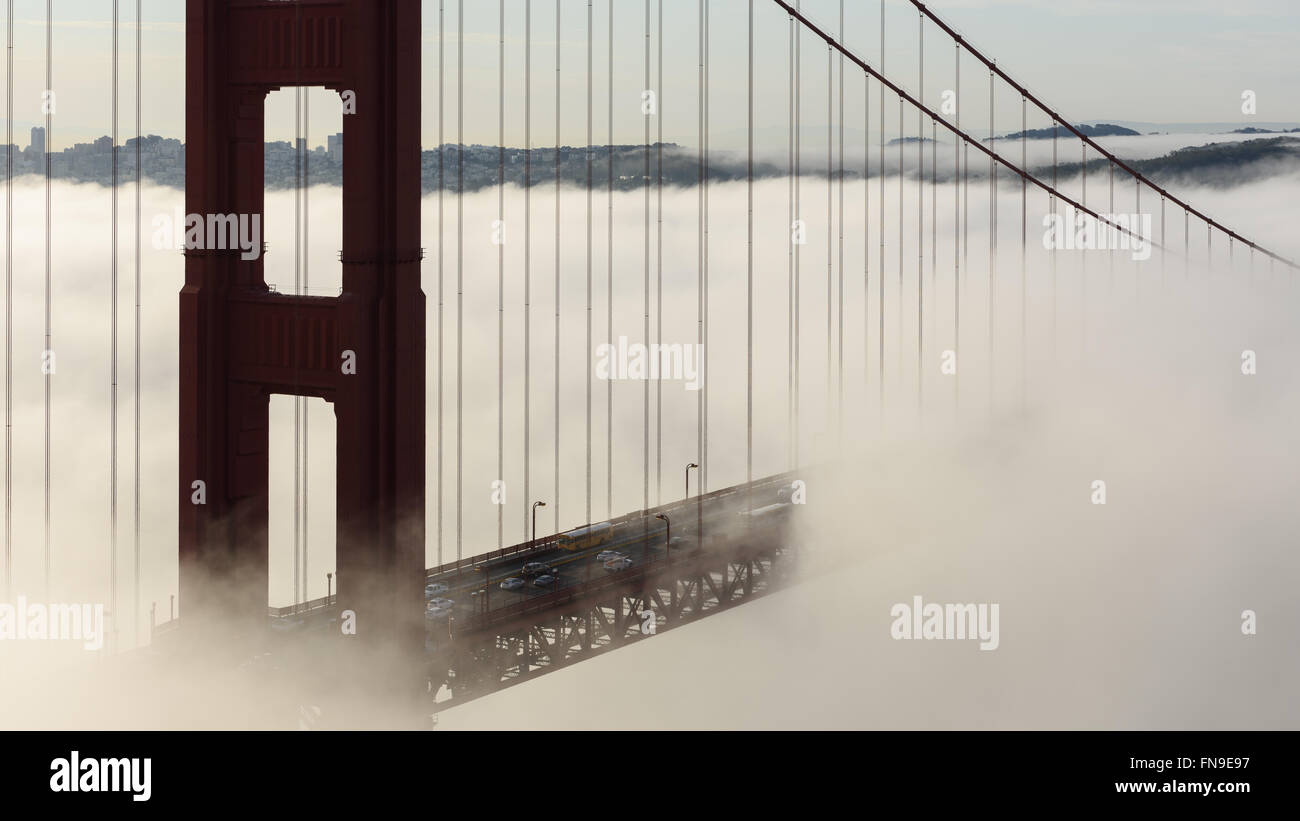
(536, 569)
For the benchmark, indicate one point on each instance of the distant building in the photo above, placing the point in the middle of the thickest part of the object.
(38, 141)
(335, 142)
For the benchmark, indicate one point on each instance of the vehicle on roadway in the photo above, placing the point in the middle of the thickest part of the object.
(546, 580)
(447, 603)
(683, 544)
(582, 538)
(434, 588)
(536, 569)
(768, 525)
(768, 515)
(606, 555)
(621, 563)
(437, 612)
(512, 583)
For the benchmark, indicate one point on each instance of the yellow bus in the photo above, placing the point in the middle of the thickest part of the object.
(583, 537)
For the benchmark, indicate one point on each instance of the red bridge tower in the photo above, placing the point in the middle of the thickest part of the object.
(241, 342)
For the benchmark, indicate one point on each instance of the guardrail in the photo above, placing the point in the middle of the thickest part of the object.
(610, 580)
(548, 542)
(303, 607)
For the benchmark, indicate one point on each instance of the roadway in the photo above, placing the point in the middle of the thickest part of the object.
(476, 590)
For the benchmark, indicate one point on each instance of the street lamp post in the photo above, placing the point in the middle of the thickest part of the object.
(699, 507)
(535, 506)
(668, 542)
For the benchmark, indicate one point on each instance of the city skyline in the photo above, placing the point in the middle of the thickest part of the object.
(1202, 63)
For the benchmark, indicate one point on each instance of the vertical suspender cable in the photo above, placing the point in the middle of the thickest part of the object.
(49, 195)
(839, 322)
(645, 300)
(556, 443)
(958, 144)
(460, 269)
(659, 259)
(993, 234)
(442, 185)
(798, 218)
(1024, 244)
(588, 348)
(881, 276)
(965, 244)
(934, 217)
(135, 524)
(902, 143)
(790, 248)
(901, 221)
(528, 255)
(699, 262)
(1110, 254)
(9, 297)
(704, 371)
(1138, 227)
(112, 479)
(830, 224)
(501, 260)
(297, 400)
(1164, 244)
(297, 290)
(609, 273)
(920, 218)
(749, 282)
(306, 289)
(866, 232)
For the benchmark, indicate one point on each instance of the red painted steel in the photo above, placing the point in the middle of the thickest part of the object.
(241, 342)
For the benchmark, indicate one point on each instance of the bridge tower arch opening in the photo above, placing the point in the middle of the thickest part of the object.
(310, 218)
(362, 350)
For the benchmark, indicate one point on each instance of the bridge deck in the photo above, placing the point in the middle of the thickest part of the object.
(473, 584)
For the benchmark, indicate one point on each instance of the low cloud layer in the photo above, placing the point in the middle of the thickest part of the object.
(1121, 615)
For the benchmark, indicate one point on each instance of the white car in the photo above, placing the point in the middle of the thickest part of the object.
(512, 583)
(446, 604)
(621, 563)
(434, 588)
(608, 555)
(437, 612)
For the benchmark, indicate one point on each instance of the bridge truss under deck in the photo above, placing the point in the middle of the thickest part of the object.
(609, 614)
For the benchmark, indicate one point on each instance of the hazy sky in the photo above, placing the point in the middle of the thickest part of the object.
(1149, 60)
(1122, 615)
